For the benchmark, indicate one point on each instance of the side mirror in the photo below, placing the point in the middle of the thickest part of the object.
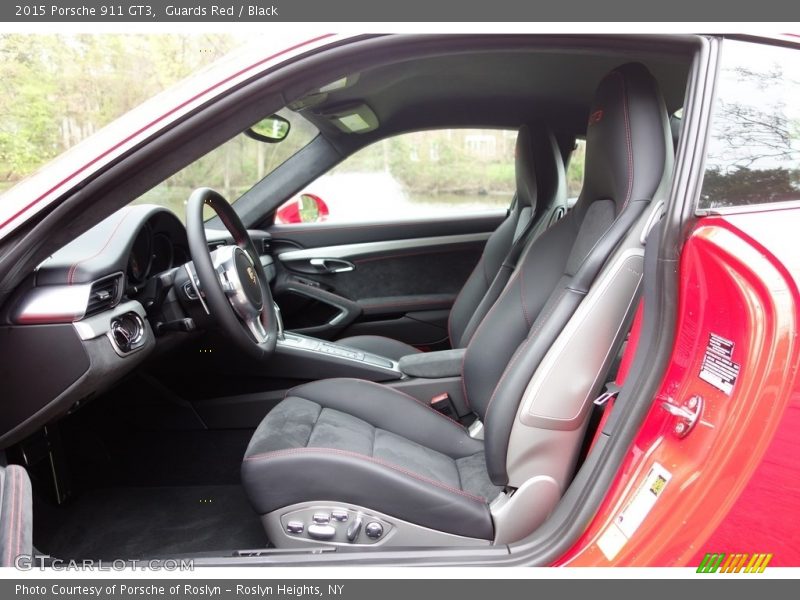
(308, 208)
(271, 130)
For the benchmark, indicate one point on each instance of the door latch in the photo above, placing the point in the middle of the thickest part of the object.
(332, 265)
(686, 415)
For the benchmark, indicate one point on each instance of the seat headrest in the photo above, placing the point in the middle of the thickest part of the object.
(626, 139)
(525, 168)
(539, 168)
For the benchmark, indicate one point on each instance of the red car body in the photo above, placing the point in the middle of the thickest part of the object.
(735, 485)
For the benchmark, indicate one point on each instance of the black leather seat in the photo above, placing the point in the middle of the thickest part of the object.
(540, 199)
(366, 445)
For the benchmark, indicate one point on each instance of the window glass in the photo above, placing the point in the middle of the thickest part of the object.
(232, 168)
(424, 174)
(754, 148)
(575, 169)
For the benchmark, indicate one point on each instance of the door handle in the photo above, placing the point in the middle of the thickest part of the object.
(332, 265)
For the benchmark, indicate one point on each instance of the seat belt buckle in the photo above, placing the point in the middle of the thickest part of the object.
(443, 403)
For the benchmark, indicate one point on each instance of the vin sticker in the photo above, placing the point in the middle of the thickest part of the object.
(718, 367)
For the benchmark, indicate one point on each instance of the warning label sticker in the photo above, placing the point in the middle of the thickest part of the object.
(622, 528)
(718, 367)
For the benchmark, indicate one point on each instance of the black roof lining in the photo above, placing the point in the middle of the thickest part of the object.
(494, 87)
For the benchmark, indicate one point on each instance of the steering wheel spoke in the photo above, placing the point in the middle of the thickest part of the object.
(256, 329)
(234, 283)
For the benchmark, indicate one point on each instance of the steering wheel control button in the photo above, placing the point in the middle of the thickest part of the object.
(321, 518)
(295, 527)
(321, 532)
(339, 515)
(354, 529)
(374, 530)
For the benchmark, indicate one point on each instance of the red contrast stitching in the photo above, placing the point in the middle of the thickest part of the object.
(629, 141)
(522, 298)
(410, 397)
(458, 297)
(463, 379)
(478, 330)
(229, 226)
(74, 267)
(382, 387)
(439, 484)
(519, 351)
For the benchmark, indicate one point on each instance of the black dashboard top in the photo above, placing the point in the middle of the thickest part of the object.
(129, 234)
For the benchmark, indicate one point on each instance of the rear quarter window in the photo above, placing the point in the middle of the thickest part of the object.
(754, 148)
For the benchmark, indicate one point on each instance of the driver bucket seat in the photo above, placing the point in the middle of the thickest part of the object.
(540, 200)
(347, 461)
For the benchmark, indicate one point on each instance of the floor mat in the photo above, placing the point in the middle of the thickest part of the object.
(138, 522)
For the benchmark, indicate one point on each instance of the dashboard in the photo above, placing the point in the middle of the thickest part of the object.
(95, 310)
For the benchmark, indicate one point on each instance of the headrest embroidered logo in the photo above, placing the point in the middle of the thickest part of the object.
(714, 562)
(595, 117)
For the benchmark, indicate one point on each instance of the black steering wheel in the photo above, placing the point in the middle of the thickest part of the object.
(232, 279)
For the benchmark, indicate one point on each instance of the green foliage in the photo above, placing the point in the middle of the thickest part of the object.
(574, 175)
(59, 89)
(442, 162)
(232, 168)
(749, 186)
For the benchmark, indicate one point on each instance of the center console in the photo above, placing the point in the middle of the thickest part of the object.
(302, 357)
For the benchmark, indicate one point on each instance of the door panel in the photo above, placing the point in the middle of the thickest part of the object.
(331, 234)
(395, 279)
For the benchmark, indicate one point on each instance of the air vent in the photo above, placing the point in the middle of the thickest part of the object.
(266, 246)
(104, 294)
(216, 244)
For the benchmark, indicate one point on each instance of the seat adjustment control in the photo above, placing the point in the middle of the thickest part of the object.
(295, 527)
(354, 529)
(335, 524)
(374, 530)
(321, 532)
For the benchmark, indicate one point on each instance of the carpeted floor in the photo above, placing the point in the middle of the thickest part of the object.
(136, 522)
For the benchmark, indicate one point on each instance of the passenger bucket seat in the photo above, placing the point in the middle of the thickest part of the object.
(539, 201)
(346, 461)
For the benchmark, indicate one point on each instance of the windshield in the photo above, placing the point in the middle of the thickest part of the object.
(231, 168)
